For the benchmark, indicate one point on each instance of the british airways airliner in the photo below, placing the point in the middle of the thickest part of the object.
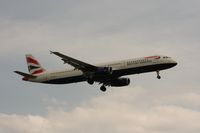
(107, 74)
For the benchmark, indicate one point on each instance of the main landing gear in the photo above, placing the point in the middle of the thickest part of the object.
(91, 82)
(158, 75)
(103, 88)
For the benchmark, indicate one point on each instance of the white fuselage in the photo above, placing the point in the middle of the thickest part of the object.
(120, 68)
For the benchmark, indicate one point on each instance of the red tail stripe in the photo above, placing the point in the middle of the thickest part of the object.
(38, 71)
(30, 60)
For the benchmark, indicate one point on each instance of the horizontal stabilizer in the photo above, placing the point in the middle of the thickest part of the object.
(25, 74)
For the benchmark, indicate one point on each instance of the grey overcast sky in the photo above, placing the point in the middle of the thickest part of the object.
(98, 31)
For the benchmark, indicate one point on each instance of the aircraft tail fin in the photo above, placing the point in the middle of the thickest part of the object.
(34, 66)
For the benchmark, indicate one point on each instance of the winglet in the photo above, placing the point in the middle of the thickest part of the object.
(51, 52)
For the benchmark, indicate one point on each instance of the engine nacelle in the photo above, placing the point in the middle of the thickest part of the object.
(120, 82)
(104, 71)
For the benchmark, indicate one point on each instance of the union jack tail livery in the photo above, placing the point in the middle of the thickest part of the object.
(34, 66)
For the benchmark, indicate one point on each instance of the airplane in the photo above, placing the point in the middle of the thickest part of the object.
(107, 74)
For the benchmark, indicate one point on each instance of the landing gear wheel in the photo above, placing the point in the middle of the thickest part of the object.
(158, 75)
(91, 82)
(103, 88)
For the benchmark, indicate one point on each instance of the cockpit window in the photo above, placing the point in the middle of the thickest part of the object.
(166, 57)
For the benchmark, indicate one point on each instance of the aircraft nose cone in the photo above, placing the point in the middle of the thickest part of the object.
(175, 63)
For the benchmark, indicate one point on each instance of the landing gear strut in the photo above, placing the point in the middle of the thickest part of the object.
(103, 88)
(158, 75)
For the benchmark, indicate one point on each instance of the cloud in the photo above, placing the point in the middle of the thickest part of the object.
(123, 110)
(188, 100)
(99, 31)
(134, 28)
(140, 25)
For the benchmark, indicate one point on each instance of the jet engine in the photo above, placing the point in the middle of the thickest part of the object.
(120, 82)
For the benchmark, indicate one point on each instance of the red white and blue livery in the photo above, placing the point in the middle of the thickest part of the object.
(107, 74)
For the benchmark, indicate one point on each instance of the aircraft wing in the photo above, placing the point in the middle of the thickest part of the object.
(85, 67)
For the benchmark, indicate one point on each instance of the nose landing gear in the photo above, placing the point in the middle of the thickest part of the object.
(158, 75)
